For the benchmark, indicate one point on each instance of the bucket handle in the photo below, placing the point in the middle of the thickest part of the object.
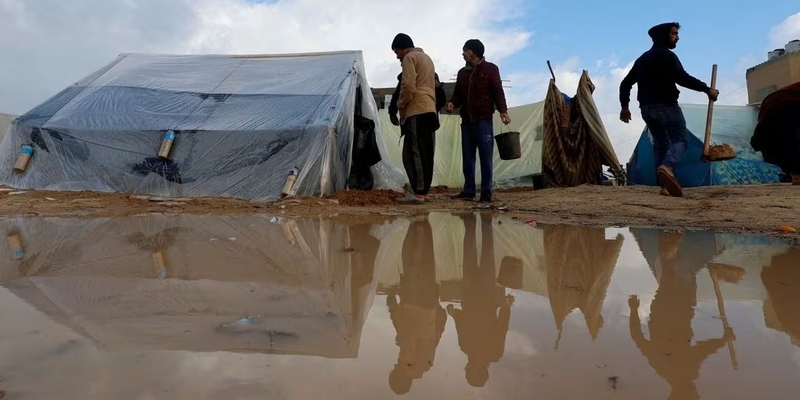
(502, 125)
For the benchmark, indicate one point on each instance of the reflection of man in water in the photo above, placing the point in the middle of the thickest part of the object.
(419, 319)
(481, 332)
(670, 351)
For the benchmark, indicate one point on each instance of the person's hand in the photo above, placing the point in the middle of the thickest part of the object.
(394, 120)
(713, 94)
(633, 302)
(509, 299)
(506, 119)
(402, 116)
(625, 115)
(449, 107)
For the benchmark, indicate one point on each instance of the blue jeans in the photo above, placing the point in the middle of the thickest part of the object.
(478, 135)
(668, 127)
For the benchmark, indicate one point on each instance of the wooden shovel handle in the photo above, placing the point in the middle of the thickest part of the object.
(710, 115)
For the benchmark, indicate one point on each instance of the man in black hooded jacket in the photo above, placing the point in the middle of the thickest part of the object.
(657, 71)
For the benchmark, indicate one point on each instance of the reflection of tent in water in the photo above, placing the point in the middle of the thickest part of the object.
(751, 253)
(198, 283)
(580, 262)
(512, 241)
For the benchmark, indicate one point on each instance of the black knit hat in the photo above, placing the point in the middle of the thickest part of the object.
(402, 41)
(660, 32)
(476, 46)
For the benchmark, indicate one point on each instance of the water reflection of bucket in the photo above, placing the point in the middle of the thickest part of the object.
(510, 274)
(160, 264)
(15, 244)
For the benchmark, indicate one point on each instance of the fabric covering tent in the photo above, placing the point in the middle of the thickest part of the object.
(447, 169)
(241, 124)
(195, 283)
(733, 125)
(576, 145)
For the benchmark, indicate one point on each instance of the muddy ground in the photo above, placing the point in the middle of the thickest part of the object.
(745, 209)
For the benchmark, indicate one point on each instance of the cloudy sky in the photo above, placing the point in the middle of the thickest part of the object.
(46, 45)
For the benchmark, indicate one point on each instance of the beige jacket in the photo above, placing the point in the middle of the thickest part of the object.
(418, 89)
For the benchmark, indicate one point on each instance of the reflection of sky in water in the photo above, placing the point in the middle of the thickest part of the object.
(44, 359)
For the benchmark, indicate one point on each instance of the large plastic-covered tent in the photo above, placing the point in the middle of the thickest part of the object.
(241, 124)
(252, 283)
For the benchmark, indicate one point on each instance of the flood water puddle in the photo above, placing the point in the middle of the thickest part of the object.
(470, 306)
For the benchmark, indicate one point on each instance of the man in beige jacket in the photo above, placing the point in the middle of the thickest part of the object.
(418, 118)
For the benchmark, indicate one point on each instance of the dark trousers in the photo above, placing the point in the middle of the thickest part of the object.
(419, 140)
(477, 135)
(668, 127)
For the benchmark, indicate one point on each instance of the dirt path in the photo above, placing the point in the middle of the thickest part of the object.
(745, 209)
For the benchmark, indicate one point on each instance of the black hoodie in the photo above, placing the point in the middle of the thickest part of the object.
(657, 71)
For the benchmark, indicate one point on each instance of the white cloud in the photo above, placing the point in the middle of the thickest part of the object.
(56, 43)
(782, 33)
(47, 45)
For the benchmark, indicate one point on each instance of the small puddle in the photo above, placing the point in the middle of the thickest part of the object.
(445, 306)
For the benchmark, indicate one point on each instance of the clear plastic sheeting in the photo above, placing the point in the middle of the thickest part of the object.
(5, 123)
(447, 171)
(196, 283)
(241, 124)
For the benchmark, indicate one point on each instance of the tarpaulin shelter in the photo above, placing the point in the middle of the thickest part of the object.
(241, 123)
(732, 125)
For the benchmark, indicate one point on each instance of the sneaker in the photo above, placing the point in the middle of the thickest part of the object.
(486, 199)
(464, 196)
(667, 178)
(410, 198)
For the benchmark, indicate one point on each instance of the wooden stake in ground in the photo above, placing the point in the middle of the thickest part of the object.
(720, 152)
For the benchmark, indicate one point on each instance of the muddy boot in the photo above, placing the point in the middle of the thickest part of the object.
(667, 178)
(795, 179)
